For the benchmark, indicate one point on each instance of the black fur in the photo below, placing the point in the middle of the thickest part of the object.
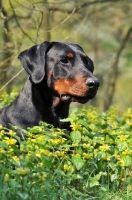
(59, 73)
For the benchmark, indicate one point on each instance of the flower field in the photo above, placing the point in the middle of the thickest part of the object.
(93, 162)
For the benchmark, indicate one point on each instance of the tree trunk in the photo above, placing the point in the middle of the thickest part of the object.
(7, 54)
(112, 79)
(46, 23)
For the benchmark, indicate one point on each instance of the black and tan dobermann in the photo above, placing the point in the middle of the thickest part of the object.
(59, 73)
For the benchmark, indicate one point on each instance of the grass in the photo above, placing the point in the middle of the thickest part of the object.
(93, 162)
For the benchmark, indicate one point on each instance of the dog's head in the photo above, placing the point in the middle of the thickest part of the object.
(66, 68)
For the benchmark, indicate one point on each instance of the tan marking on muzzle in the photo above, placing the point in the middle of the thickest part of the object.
(75, 87)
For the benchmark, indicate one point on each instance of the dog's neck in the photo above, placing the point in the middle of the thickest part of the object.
(53, 108)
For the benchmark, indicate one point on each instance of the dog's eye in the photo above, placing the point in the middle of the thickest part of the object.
(64, 61)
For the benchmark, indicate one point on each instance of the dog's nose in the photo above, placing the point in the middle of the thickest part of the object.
(92, 82)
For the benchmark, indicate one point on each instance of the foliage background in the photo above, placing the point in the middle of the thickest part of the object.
(102, 27)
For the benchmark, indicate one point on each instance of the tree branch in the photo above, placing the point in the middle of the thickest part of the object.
(19, 24)
(111, 83)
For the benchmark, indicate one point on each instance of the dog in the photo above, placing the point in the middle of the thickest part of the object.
(59, 73)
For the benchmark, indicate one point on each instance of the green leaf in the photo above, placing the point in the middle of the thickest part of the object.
(77, 161)
(95, 180)
(66, 119)
(76, 137)
(47, 161)
(23, 196)
(75, 110)
(84, 123)
(76, 176)
(128, 160)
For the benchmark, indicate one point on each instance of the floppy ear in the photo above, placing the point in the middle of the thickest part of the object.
(33, 61)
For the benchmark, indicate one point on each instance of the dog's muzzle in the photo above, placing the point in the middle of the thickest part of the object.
(92, 85)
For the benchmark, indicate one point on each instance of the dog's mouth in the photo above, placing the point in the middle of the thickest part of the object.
(80, 99)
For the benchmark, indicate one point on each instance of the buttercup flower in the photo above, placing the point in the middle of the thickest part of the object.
(92, 116)
(88, 146)
(107, 158)
(129, 122)
(1, 133)
(46, 152)
(55, 142)
(66, 167)
(15, 158)
(122, 163)
(23, 171)
(123, 137)
(75, 126)
(87, 155)
(104, 147)
(2, 151)
(127, 152)
(10, 141)
(12, 133)
(60, 153)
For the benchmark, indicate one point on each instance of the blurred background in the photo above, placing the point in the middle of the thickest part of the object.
(102, 27)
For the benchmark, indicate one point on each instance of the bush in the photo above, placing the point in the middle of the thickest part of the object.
(93, 162)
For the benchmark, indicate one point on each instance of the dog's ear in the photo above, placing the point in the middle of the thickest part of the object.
(33, 61)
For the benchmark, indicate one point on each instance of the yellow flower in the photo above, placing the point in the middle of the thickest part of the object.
(117, 157)
(15, 158)
(113, 132)
(10, 150)
(92, 114)
(77, 155)
(104, 147)
(40, 138)
(46, 152)
(1, 127)
(2, 151)
(1, 133)
(87, 155)
(28, 157)
(123, 137)
(129, 122)
(63, 140)
(126, 152)
(22, 171)
(88, 146)
(75, 126)
(114, 125)
(10, 141)
(55, 142)
(41, 176)
(103, 122)
(38, 154)
(122, 163)
(74, 145)
(60, 153)
(12, 133)
(66, 157)
(128, 115)
(66, 167)
(107, 158)
(60, 131)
